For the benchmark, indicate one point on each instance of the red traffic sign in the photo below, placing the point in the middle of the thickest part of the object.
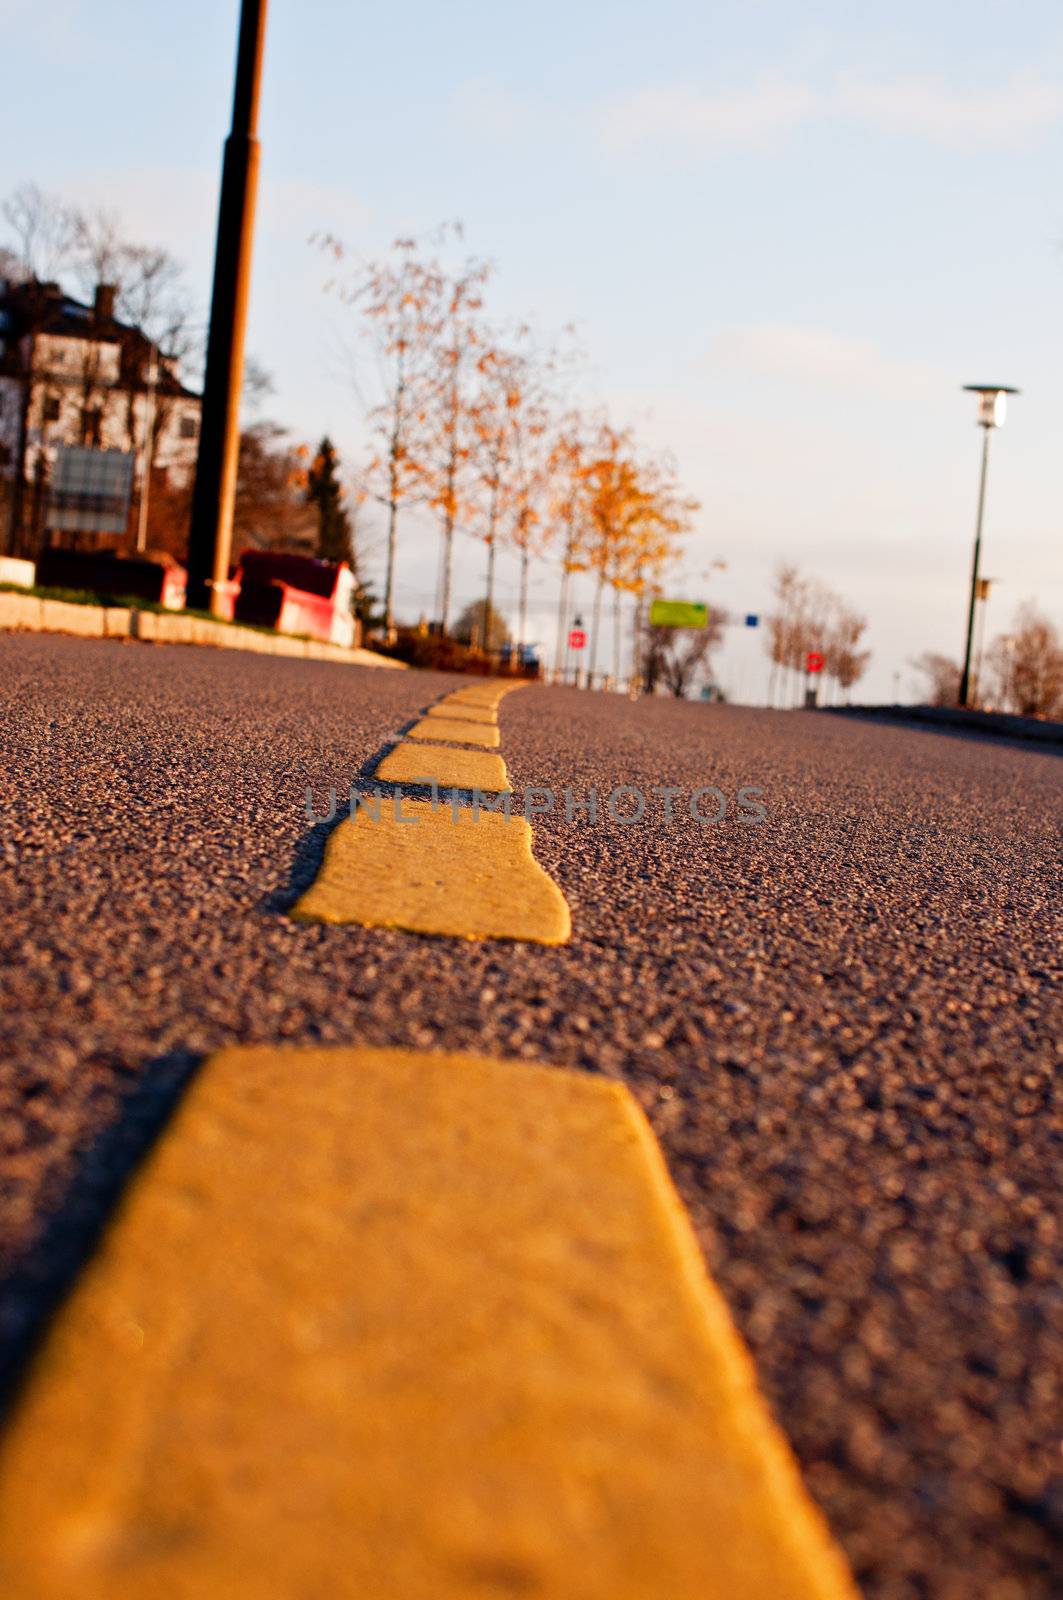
(577, 639)
(814, 661)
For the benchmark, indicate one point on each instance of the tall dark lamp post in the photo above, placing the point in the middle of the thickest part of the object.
(210, 540)
(992, 409)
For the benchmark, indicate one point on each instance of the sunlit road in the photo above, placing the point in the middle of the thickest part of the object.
(842, 1021)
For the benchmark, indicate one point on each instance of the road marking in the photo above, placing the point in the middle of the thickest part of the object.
(455, 732)
(432, 872)
(431, 868)
(487, 694)
(375, 1326)
(451, 769)
(447, 708)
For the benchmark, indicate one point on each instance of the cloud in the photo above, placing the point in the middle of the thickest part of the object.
(1007, 114)
(1004, 115)
(709, 121)
(811, 355)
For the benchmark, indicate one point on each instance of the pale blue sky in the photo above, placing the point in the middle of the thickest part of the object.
(786, 232)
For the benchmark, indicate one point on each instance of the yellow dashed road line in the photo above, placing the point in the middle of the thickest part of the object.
(386, 1327)
(455, 732)
(372, 1326)
(485, 715)
(422, 870)
(489, 694)
(451, 769)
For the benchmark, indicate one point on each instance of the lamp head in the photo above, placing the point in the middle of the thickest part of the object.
(992, 402)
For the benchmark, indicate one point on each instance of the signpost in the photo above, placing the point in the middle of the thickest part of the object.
(577, 639)
(678, 614)
(814, 663)
(90, 490)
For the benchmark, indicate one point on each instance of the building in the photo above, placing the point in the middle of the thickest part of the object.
(74, 374)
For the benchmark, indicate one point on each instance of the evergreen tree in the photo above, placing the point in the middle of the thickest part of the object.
(325, 492)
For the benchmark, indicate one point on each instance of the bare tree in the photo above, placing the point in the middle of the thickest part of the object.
(150, 292)
(843, 660)
(677, 656)
(43, 228)
(942, 677)
(1026, 666)
(258, 387)
(11, 267)
(809, 617)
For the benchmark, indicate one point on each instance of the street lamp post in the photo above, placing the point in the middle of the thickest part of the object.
(210, 539)
(992, 408)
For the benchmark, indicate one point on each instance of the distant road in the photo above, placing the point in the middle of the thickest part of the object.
(842, 1021)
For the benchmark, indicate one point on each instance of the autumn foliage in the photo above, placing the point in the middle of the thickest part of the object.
(475, 426)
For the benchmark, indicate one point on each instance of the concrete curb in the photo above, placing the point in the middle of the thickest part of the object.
(29, 613)
(1000, 724)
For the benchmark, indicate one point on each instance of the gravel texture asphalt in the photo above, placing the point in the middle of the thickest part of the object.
(843, 1022)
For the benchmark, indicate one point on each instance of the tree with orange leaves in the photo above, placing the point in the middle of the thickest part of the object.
(670, 513)
(512, 421)
(449, 423)
(567, 508)
(494, 408)
(400, 298)
(531, 485)
(634, 516)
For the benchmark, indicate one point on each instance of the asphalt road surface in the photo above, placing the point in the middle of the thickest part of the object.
(843, 1022)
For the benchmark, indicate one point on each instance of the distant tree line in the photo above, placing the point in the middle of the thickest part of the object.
(1022, 671)
(808, 617)
(473, 423)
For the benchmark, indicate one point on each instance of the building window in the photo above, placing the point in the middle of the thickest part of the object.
(91, 427)
(51, 408)
(188, 428)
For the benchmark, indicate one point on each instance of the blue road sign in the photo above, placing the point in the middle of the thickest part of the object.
(752, 621)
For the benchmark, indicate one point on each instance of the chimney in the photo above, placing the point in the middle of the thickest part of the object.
(105, 293)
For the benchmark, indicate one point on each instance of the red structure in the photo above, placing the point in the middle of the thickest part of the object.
(296, 594)
(103, 572)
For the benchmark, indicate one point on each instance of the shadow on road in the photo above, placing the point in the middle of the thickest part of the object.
(310, 849)
(33, 1293)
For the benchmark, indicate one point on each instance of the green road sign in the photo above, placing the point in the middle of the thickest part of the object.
(678, 614)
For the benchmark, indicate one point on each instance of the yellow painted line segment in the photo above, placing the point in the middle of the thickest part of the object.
(452, 769)
(418, 869)
(422, 868)
(460, 713)
(375, 1326)
(456, 732)
(487, 694)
